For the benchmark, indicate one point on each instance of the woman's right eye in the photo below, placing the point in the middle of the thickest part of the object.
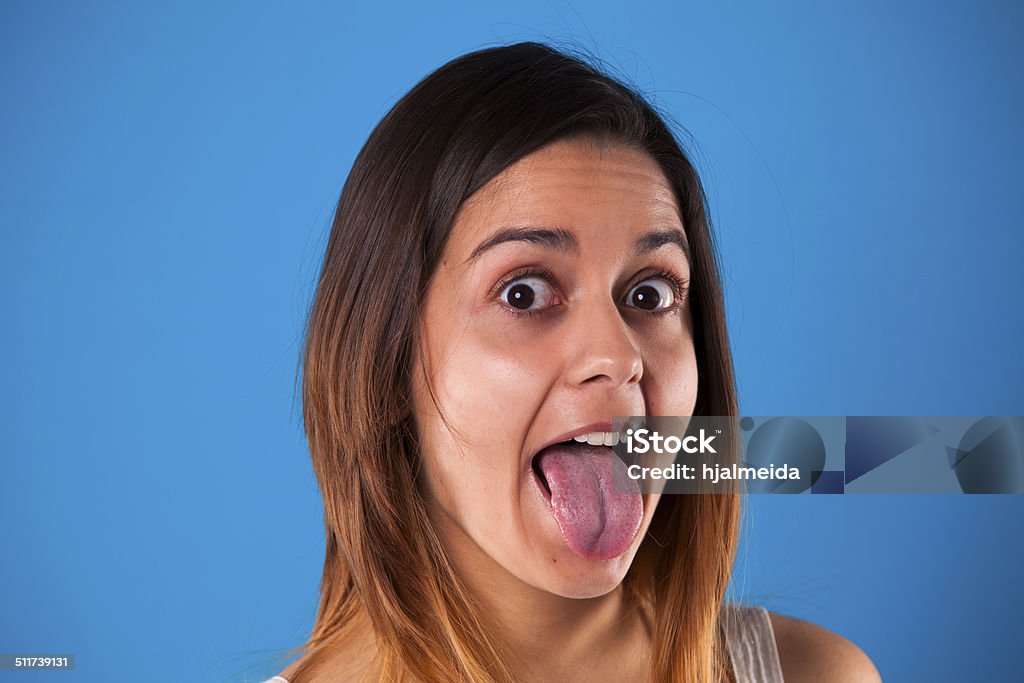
(528, 294)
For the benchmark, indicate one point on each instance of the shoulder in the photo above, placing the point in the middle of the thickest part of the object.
(347, 661)
(334, 672)
(809, 652)
(336, 668)
(346, 656)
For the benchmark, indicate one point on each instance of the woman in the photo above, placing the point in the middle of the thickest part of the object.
(520, 253)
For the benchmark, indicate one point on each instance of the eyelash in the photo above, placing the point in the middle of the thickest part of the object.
(679, 290)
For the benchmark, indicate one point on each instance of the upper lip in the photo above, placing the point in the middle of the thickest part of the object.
(605, 426)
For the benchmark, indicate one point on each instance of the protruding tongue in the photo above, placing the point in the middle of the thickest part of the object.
(597, 522)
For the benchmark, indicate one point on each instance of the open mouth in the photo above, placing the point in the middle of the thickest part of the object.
(597, 520)
(538, 471)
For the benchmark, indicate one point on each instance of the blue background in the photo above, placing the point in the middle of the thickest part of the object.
(167, 177)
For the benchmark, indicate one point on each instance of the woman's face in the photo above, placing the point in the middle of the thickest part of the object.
(560, 302)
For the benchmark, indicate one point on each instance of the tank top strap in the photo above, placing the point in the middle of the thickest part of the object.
(751, 643)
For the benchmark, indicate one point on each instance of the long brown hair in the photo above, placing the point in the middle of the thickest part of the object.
(385, 568)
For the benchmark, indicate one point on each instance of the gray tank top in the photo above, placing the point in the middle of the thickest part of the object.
(750, 640)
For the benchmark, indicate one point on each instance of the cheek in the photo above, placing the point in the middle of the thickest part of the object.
(670, 379)
(490, 389)
(489, 392)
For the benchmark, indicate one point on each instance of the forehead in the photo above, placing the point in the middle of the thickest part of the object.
(597, 190)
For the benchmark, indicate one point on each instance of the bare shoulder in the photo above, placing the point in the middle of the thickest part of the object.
(335, 672)
(809, 652)
(349, 662)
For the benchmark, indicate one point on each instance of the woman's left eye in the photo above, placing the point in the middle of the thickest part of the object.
(651, 294)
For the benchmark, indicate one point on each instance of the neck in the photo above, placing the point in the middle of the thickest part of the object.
(557, 638)
(551, 637)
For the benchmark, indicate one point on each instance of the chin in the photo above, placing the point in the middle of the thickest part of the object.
(552, 566)
(571, 576)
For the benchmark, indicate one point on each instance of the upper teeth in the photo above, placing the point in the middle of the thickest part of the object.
(598, 438)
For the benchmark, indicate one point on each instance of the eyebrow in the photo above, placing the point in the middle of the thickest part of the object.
(565, 242)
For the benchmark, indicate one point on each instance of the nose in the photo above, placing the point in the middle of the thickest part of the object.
(605, 350)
